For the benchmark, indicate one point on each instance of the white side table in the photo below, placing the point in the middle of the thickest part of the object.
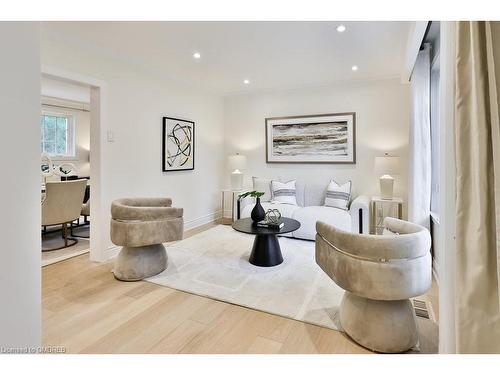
(382, 208)
(234, 197)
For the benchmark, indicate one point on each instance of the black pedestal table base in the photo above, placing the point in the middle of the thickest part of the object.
(266, 251)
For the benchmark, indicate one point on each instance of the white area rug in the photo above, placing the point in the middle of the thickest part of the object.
(215, 264)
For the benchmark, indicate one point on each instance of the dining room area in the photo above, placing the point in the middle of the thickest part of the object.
(65, 170)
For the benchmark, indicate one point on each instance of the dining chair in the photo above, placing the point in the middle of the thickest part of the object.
(62, 204)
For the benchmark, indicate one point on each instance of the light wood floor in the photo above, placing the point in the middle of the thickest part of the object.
(87, 311)
(54, 240)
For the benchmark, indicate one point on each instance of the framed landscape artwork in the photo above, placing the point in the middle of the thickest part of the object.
(177, 144)
(329, 138)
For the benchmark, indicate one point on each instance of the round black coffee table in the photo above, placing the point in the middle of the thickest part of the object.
(266, 251)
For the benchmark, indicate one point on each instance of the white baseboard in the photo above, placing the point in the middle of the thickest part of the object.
(227, 213)
(64, 257)
(202, 220)
(113, 251)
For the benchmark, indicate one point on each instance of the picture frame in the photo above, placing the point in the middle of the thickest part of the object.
(178, 144)
(315, 139)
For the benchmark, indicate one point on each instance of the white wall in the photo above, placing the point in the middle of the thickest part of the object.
(136, 101)
(20, 290)
(382, 125)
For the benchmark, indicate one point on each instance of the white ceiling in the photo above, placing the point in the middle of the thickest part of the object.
(272, 55)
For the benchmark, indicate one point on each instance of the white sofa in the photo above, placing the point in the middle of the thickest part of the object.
(310, 208)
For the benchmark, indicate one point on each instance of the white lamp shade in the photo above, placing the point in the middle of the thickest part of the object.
(237, 162)
(387, 165)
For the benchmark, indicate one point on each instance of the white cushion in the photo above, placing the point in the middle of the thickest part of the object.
(338, 196)
(284, 192)
(308, 216)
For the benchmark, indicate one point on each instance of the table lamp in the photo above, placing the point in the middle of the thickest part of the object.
(237, 163)
(385, 166)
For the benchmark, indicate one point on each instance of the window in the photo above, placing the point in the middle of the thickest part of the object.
(434, 106)
(58, 135)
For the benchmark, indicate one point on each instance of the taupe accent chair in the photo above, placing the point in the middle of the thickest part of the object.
(379, 274)
(62, 205)
(141, 226)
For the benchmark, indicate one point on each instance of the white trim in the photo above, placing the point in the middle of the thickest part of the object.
(447, 190)
(202, 220)
(98, 127)
(415, 38)
(111, 252)
(64, 257)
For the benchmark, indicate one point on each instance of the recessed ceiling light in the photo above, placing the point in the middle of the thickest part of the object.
(246, 81)
(354, 68)
(340, 28)
(196, 55)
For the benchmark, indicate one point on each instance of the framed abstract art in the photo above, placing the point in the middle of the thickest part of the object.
(329, 138)
(177, 145)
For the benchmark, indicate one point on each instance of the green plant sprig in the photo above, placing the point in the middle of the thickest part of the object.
(254, 194)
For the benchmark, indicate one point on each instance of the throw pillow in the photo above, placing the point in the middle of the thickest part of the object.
(284, 192)
(338, 196)
(263, 185)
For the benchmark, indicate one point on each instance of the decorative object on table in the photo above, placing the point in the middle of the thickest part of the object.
(382, 208)
(47, 167)
(328, 138)
(376, 311)
(266, 251)
(237, 163)
(141, 226)
(266, 224)
(272, 220)
(65, 170)
(273, 216)
(258, 213)
(338, 196)
(177, 145)
(284, 192)
(385, 166)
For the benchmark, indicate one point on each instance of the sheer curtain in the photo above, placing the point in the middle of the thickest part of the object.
(419, 186)
(477, 153)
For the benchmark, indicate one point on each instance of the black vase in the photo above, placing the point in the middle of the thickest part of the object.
(258, 213)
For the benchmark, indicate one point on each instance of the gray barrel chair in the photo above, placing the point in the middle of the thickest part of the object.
(141, 226)
(379, 273)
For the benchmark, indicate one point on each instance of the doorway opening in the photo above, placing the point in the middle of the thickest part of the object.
(70, 166)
